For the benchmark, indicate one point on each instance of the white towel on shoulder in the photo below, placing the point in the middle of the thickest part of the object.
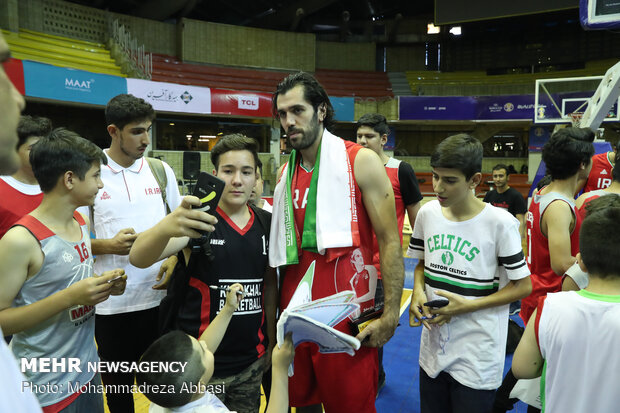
(336, 206)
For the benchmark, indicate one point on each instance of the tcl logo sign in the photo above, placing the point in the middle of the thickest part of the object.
(248, 102)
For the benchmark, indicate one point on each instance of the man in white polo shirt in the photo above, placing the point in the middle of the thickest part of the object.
(130, 202)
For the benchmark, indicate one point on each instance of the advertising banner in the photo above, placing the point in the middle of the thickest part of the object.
(170, 97)
(15, 71)
(344, 108)
(70, 85)
(234, 102)
(505, 107)
(437, 108)
(539, 135)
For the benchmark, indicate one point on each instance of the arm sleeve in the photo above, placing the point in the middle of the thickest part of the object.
(416, 243)
(408, 184)
(510, 252)
(520, 206)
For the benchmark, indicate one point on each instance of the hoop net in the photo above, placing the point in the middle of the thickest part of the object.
(575, 118)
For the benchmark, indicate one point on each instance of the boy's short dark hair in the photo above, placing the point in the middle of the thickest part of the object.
(462, 152)
(501, 166)
(598, 244)
(175, 346)
(234, 142)
(566, 150)
(615, 172)
(60, 151)
(606, 201)
(124, 109)
(30, 126)
(376, 121)
(544, 181)
(314, 94)
(259, 166)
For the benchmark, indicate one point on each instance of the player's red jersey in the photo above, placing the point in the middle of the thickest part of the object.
(336, 274)
(600, 174)
(544, 280)
(406, 192)
(591, 197)
(15, 205)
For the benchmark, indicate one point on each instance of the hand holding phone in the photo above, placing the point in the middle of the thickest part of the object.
(208, 189)
(437, 303)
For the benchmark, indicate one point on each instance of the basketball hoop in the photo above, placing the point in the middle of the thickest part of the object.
(575, 118)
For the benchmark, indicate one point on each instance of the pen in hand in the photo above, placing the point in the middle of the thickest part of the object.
(216, 287)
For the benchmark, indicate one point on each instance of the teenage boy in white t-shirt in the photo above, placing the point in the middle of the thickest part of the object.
(469, 253)
(572, 337)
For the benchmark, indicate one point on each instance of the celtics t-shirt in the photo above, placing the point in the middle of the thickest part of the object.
(472, 258)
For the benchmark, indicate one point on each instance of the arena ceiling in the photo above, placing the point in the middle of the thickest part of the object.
(382, 21)
(316, 16)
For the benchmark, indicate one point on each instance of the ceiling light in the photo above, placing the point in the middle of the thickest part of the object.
(432, 29)
(456, 30)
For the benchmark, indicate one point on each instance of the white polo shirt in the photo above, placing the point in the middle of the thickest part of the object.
(130, 198)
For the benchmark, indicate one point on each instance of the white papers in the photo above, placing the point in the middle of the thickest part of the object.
(313, 321)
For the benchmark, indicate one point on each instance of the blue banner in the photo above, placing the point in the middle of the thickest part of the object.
(539, 135)
(70, 85)
(437, 108)
(344, 108)
(505, 107)
(390, 145)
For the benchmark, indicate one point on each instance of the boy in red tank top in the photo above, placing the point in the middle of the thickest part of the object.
(20, 192)
(553, 224)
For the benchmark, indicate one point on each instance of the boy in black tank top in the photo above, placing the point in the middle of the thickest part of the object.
(239, 248)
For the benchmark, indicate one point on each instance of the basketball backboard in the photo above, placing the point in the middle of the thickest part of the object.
(597, 97)
(599, 14)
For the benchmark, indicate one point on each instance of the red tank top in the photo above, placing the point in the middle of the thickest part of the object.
(391, 168)
(15, 205)
(600, 174)
(336, 270)
(544, 280)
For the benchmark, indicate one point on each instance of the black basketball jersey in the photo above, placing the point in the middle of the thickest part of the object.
(239, 255)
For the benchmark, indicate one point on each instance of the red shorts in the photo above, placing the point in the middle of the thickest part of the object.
(341, 382)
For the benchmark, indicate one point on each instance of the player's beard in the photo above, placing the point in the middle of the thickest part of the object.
(309, 136)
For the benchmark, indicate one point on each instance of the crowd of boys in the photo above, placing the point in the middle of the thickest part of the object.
(337, 206)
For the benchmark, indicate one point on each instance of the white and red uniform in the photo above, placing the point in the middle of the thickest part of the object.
(341, 382)
(544, 280)
(600, 174)
(406, 192)
(18, 199)
(578, 334)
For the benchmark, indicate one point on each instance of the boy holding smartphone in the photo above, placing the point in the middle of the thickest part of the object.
(238, 254)
(469, 253)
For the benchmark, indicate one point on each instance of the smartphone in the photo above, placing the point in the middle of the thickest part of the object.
(118, 277)
(208, 189)
(438, 303)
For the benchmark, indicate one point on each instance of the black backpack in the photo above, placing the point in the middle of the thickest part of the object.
(177, 287)
(515, 331)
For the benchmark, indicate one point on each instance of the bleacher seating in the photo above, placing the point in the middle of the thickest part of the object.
(61, 51)
(355, 83)
(471, 83)
(517, 181)
(336, 82)
(170, 69)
